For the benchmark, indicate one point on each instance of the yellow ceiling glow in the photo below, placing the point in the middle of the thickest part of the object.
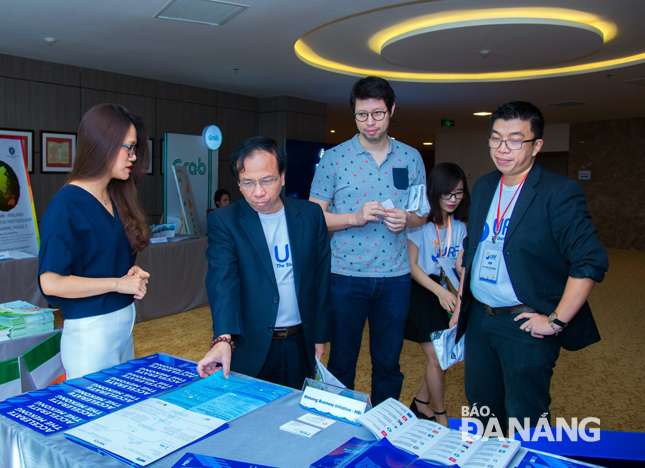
(452, 19)
(420, 25)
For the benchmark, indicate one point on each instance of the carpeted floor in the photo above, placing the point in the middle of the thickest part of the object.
(606, 380)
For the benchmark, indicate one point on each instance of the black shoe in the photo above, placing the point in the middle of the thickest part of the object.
(419, 414)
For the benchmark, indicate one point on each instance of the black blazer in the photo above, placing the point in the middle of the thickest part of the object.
(550, 237)
(241, 284)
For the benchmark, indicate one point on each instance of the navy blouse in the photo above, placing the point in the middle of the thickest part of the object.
(79, 237)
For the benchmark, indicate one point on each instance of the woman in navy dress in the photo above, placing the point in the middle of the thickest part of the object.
(90, 235)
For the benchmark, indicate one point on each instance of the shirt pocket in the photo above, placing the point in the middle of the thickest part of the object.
(400, 178)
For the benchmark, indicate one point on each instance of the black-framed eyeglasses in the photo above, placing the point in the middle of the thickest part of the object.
(376, 115)
(512, 145)
(448, 196)
(249, 185)
(131, 149)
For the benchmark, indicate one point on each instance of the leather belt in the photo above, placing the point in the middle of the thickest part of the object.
(518, 309)
(280, 333)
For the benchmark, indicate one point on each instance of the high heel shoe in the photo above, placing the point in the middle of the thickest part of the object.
(415, 409)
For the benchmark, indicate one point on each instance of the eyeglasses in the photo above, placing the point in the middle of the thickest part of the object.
(448, 196)
(512, 145)
(249, 185)
(131, 149)
(363, 116)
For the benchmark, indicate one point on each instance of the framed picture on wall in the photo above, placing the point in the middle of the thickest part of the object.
(150, 148)
(26, 137)
(59, 151)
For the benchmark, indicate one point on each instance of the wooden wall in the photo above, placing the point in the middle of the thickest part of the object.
(44, 96)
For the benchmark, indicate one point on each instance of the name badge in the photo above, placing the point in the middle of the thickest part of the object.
(491, 260)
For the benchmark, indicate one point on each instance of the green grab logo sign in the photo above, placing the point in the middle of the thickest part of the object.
(193, 168)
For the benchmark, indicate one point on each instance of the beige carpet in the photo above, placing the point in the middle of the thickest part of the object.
(606, 380)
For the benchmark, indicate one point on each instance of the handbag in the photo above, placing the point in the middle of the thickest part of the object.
(447, 350)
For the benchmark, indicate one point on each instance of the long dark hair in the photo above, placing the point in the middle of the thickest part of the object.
(443, 179)
(100, 136)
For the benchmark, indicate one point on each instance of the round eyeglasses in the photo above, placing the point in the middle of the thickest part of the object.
(376, 115)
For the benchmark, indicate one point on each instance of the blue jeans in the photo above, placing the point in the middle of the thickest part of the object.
(385, 303)
(506, 369)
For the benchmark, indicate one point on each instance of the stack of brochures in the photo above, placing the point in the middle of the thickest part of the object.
(159, 400)
(24, 319)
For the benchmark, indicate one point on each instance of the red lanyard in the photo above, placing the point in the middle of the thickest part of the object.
(498, 223)
(449, 238)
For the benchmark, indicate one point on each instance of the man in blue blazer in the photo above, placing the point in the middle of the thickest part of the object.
(531, 260)
(268, 277)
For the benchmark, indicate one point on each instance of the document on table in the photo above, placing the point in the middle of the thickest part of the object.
(144, 432)
(225, 399)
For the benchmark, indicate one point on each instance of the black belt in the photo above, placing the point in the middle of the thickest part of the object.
(280, 333)
(517, 309)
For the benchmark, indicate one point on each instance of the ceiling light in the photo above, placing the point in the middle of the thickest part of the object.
(461, 19)
(332, 131)
(211, 12)
(480, 114)
(427, 143)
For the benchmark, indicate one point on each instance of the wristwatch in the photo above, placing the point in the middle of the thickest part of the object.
(553, 322)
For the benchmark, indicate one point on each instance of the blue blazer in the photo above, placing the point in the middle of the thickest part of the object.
(241, 285)
(550, 238)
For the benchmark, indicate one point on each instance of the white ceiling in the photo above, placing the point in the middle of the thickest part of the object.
(253, 54)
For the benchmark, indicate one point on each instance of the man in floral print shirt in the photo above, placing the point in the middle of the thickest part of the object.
(370, 266)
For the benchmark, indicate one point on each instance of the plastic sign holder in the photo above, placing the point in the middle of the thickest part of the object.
(338, 403)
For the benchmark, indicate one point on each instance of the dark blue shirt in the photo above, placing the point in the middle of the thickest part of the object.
(79, 237)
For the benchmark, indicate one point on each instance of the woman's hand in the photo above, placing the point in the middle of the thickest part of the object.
(447, 299)
(137, 271)
(132, 284)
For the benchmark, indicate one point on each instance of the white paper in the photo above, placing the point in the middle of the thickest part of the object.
(387, 204)
(337, 406)
(299, 428)
(448, 266)
(417, 200)
(146, 431)
(327, 377)
(316, 420)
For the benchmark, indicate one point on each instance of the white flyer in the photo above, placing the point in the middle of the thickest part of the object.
(315, 420)
(299, 428)
(146, 431)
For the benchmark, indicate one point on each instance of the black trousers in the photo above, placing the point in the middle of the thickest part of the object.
(287, 362)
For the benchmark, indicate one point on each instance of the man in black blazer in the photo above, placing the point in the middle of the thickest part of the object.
(268, 277)
(531, 260)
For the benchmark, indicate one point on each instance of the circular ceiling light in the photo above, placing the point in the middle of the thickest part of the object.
(482, 114)
(607, 30)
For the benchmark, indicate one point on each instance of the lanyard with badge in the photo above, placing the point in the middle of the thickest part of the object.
(493, 249)
(449, 239)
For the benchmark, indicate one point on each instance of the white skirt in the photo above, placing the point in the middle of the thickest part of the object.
(92, 344)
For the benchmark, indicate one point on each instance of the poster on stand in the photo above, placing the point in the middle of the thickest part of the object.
(200, 163)
(27, 139)
(18, 228)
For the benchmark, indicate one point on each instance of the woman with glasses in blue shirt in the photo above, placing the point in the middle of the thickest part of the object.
(431, 300)
(90, 235)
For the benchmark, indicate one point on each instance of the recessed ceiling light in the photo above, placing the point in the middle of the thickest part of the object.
(427, 143)
(332, 131)
(482, 113)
